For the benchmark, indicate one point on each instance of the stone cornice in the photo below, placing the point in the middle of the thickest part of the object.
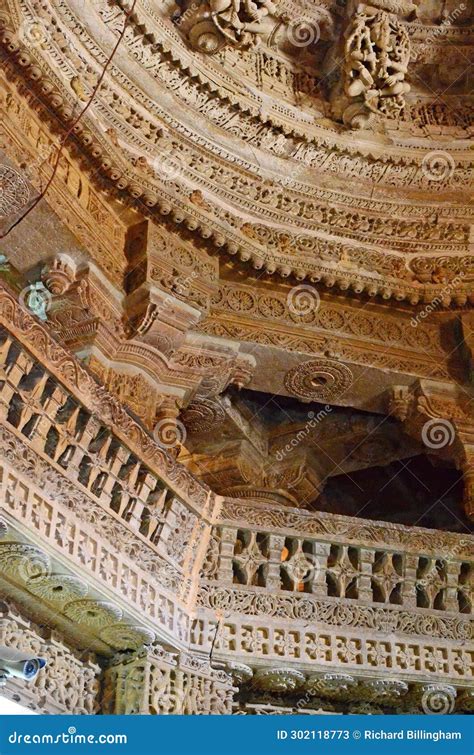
(233, 241)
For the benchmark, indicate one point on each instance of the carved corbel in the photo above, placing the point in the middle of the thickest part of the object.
(162, 680)
(75, 310)
(442, 418)
(240, 469)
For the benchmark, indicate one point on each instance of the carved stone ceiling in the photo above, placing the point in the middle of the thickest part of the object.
(345, 160)
(252, 445)
(302, 168)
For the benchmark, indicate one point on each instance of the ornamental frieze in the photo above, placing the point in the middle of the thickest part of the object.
(371, 324)
(333, 346)
(304, 608)
(408, 658)
(153, 108)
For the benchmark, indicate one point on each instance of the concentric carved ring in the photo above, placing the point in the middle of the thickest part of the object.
(240, 673)
(123, 637)
(278, 679)
(319, 380)
(57, 588)
(93, 613)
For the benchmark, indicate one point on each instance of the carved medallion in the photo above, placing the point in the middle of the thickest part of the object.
(319, 380)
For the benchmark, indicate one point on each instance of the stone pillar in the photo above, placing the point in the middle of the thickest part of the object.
(225, 572)
(409, 582)
(321, 553)
(365, 578)
(467, 467)
(275, 546)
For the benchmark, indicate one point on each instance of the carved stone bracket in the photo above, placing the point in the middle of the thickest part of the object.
(442, 418)
(157, 681)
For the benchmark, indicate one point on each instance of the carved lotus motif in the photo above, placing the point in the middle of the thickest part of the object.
(333, 685)
(92, 613)
(319, 380)
(57, 588)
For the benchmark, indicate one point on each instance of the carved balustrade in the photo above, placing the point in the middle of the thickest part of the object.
(85, 465)
(57, 426)
(360, 572)
(314, 593)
